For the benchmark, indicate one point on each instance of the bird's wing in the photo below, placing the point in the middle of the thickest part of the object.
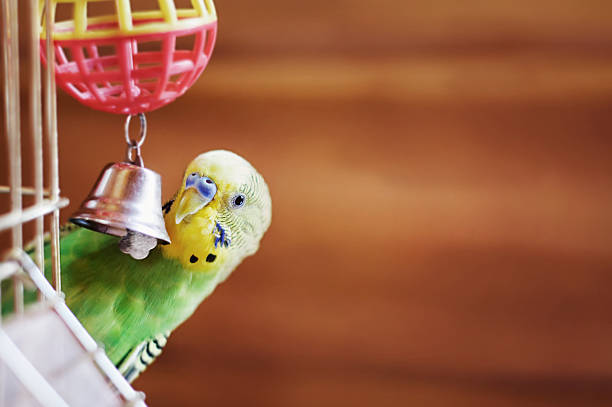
(140, 357)
(65, 230)
(30, 296)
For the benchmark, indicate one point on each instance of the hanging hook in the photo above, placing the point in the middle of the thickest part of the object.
(133, 151)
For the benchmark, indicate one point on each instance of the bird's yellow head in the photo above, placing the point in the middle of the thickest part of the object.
(219, 214)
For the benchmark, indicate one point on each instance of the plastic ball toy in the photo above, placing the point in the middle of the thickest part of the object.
(113, 58)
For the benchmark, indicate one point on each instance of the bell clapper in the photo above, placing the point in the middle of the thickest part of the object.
(126, 201)
(136, 244)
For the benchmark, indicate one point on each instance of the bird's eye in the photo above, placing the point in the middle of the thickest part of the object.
(238, 201)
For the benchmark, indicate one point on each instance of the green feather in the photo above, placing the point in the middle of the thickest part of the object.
(121, 301)
(126, 304)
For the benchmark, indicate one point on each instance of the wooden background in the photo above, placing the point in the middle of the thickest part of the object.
(442, 190)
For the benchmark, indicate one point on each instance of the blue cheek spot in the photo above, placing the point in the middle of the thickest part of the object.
(221, 237)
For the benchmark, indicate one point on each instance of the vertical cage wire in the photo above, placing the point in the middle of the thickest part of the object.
(36, 131)
(16, 264)
(10, 59)
(51, 127)
(42, 206)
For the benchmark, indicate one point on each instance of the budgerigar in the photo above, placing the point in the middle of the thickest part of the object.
(215, 220)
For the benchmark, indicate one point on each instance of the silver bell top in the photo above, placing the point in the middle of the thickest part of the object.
(126, 197)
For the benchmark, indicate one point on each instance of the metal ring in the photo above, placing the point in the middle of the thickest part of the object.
(143, 131)
(134, 157)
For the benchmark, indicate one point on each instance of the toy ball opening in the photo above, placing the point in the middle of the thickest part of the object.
(119, 60)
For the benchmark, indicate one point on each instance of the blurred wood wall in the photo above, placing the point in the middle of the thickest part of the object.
(441, 180)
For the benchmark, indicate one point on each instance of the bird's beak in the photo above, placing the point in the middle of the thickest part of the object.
(191, 202)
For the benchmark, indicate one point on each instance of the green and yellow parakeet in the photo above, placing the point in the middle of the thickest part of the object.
(215, 220)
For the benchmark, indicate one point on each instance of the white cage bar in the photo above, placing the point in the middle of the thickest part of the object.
(25, 358)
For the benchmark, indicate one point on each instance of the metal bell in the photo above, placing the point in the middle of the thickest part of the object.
(126, 197)
(126, 201)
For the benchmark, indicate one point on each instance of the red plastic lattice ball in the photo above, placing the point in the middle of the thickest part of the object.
(133, 62)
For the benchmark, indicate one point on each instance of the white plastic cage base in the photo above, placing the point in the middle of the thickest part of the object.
(47, 358)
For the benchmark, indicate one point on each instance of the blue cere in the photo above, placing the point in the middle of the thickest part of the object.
(204, 185)
(191, 179)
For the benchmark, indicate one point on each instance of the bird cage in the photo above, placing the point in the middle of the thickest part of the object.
(46, 356)
(116, 59)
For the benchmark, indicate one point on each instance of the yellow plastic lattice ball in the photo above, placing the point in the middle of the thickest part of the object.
(115, 57)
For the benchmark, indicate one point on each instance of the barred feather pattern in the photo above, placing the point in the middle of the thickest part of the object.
(142, 356)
